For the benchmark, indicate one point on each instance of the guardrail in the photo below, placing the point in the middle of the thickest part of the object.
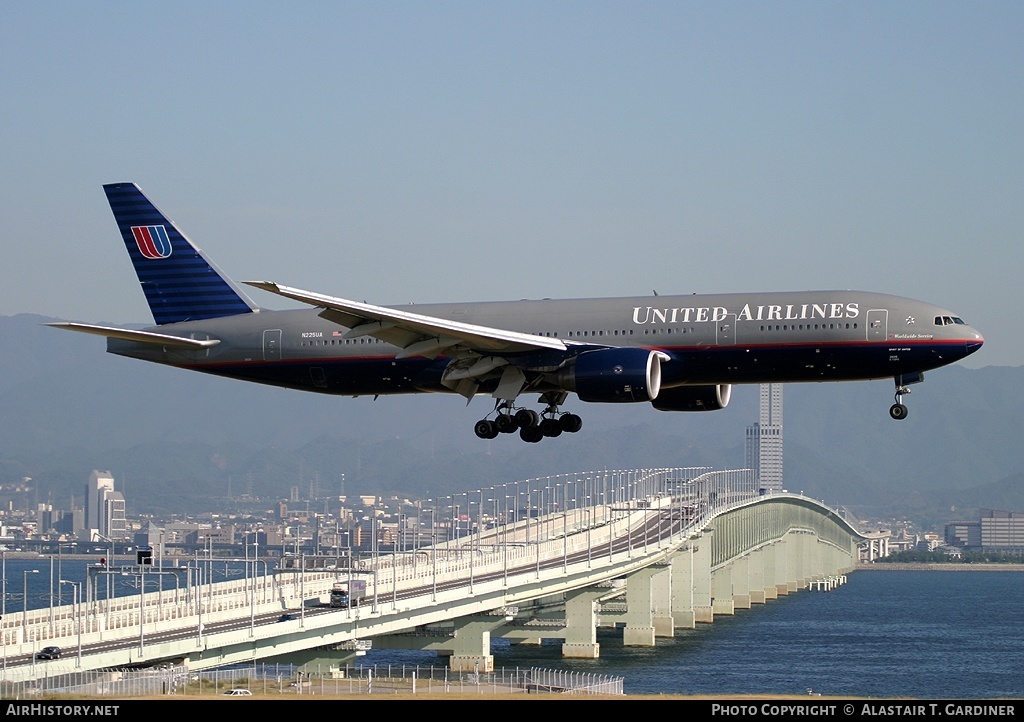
(285, 680)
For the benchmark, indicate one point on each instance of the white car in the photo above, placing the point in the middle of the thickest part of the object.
(238, 692)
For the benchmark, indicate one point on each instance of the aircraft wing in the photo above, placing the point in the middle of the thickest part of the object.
(160, 339)
(416, 334)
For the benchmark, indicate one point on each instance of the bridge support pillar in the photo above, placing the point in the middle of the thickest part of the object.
(701, 560)
(327, 663)
(755, 577)
(661, 599)
(691, 583)
(798, 555)
(740, 574)
(581, 624)
(638, 637)
(771, 573)
(704, 614)
(721, 591)
(471, 646)
(640, 630)
(684, 584)
(781, 551)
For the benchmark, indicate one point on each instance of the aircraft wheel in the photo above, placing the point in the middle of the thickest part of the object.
(526, 417)
(532, 434)
(571, 423)
(550, 427)
(485, 429)
(506, 424)
(898, 411)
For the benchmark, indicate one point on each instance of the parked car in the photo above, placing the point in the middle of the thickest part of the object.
(48, 653)
(238, 692)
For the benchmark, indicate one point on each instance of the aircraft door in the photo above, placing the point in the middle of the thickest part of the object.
(272, 345)
(877, 326)
(725, 332)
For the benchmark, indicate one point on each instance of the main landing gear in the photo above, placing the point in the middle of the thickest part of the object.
(532, 427)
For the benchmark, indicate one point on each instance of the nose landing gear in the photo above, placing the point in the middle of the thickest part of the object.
(898, 411)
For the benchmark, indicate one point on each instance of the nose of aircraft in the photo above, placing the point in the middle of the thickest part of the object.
(974, 340)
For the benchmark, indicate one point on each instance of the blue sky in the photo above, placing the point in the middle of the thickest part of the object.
(458, 151)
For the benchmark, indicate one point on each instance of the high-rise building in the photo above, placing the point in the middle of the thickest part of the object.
(104, 508)
(994, 529)
(1002, 529)
(764, 440)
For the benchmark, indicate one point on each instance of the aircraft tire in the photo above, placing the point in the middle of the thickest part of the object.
(898, 411)
(485, 429)
(571, 423)
(506, 424)
(550, 427)
(530, 434)
(526, 417)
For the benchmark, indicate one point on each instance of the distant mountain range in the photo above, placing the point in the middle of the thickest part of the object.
(183, 442)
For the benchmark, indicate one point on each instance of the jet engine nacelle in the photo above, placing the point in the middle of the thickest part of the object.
(694, 398)
(614, 375)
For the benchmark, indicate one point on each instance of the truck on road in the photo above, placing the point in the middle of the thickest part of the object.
(347, 594)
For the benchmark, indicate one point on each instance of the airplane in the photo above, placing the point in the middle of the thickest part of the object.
(677, 353)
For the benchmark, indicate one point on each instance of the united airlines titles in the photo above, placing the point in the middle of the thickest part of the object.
(789, 312)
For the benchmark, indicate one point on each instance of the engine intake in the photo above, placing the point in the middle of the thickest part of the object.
(614, 375)
(694, 398)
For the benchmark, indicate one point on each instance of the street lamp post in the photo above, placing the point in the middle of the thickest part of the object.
(142, 609)
(472, 553)
(565, 526)
(433, 552)
(394, 571)
(538, 525)
(199, 602)
(77, 618)
(255, 566)
(504, 544)
(50, 594)
(60, 546)
(252, 591)
(3, 605)
(24, 606)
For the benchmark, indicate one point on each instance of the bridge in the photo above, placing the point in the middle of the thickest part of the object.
(646, 551)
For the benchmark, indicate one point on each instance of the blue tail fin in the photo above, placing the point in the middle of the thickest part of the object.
(178, 280)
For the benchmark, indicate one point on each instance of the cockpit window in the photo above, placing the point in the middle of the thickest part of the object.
(948, 320)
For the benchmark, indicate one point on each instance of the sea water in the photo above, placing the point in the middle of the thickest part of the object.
(896, 634)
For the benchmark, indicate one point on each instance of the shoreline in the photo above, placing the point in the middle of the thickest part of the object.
(930, 567)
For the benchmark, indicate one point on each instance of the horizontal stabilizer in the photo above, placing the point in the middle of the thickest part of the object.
(161, 339)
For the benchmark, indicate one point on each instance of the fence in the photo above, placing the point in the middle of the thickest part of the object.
(281, 679)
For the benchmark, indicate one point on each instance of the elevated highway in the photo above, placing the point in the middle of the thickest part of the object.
(648, 551)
